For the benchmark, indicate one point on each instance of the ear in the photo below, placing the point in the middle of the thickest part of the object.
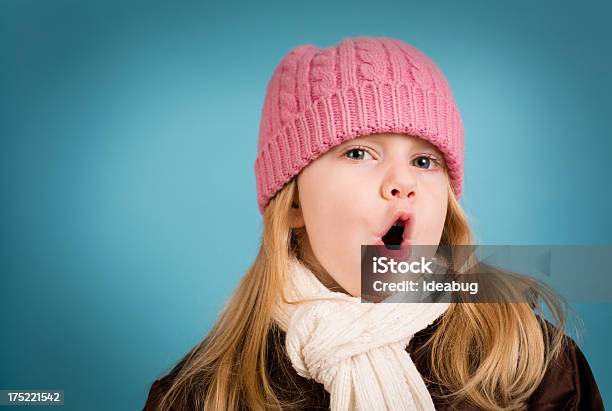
(296, 217)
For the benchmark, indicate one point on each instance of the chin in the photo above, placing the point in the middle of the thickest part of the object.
(354, 291)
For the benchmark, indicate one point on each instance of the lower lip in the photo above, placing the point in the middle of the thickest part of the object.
(403, 253)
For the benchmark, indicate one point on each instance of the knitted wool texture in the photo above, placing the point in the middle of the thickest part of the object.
(319, 98)
(356, 350)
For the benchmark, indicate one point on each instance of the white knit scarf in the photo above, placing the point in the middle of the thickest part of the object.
(356, 350)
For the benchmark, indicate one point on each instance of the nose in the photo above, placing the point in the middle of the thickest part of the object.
(399, 185)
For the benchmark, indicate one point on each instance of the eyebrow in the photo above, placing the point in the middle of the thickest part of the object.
(420, 144)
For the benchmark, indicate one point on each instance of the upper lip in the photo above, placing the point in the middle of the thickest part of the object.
(406, 217)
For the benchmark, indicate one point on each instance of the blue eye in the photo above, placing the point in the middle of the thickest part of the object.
(425, 161)
(357, 150)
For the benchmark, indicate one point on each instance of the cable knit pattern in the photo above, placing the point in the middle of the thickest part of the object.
(287, 101)
(356, 350)
(322, 74)
(371, 54)
(318, 98)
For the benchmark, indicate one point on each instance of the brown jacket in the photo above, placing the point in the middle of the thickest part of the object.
(567, 385)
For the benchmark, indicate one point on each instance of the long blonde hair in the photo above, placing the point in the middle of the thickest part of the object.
(492, 355)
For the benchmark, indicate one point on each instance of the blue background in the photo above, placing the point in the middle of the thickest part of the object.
(128, 134)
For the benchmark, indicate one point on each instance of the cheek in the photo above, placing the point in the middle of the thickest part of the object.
(433, 210)
(329, 195)
(335, 208)
(329, 207)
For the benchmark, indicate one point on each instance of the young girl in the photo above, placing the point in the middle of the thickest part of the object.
(352, 139)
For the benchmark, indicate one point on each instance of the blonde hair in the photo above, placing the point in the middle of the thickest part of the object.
(492, 355)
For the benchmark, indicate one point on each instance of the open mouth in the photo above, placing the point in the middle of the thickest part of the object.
(393, 238)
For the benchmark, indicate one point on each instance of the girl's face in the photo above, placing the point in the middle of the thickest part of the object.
(350, 195)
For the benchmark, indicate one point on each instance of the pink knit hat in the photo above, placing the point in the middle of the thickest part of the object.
(319, 98)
